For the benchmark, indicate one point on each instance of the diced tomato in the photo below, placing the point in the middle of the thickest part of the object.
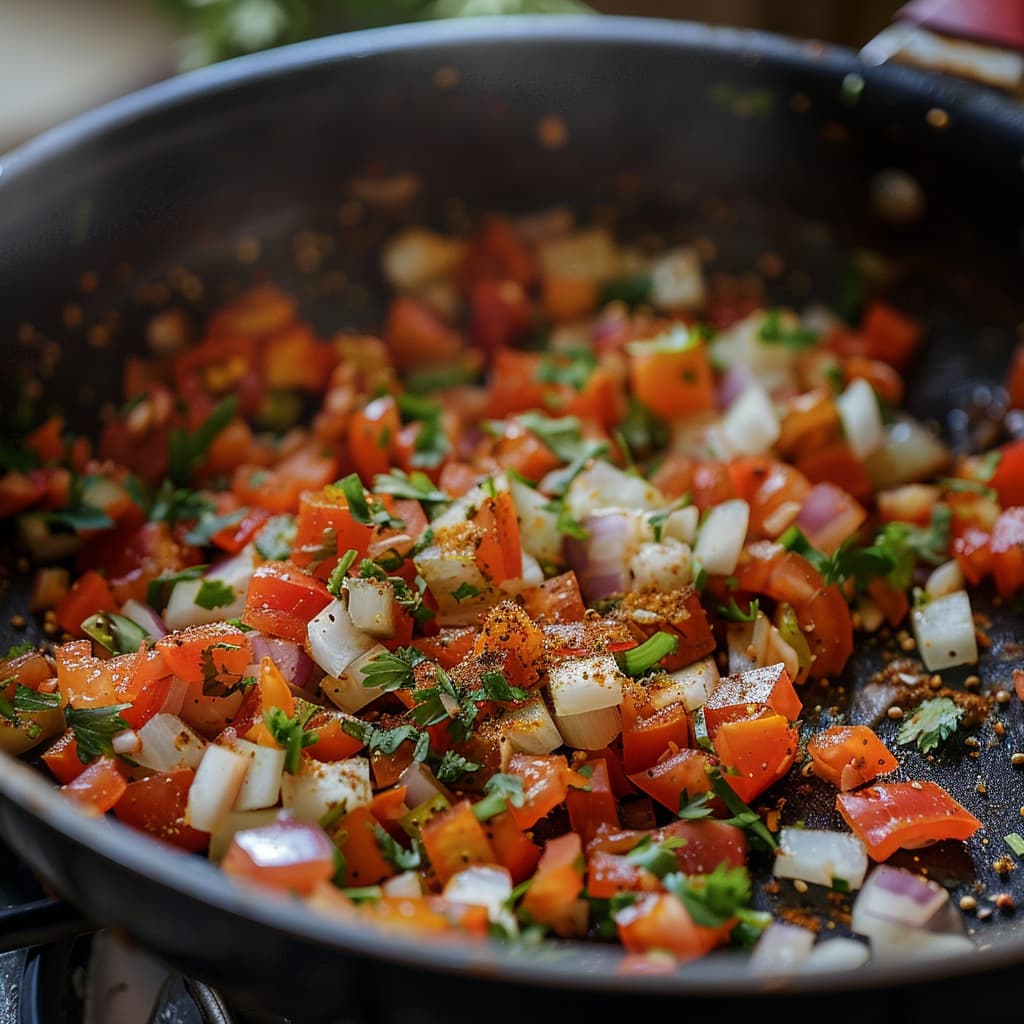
(515, 383)
(333, 743)
(235, 537)
(647, 735)
(659, 921)
(835, 463)
(1007, 549)
(904, 815)
(514, 849)
(973, 553)
(685, 771)
(497, 253)
(849, 756)
(278, 488)
(501, 313)
(216, 367)
(98, 788)
(325, 529)
(595, 805)
(892, 336)
(552, 894)
(454, 840)
(217, 649)
(357, 839)
(545, 785)
(508, 630)
(557, 599)
(156, 804)
(499, 553)
(61, 757)
(90, 593)
(758, 751)
(521, 450)
(281, 600)
(417, 336)
(83, 679)
(675, 383)
(147, 701)
(734, 695)
(289, 855)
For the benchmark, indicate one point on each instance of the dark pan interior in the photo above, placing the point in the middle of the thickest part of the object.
(748, 143)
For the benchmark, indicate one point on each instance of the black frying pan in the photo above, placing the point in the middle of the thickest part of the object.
(753, 143)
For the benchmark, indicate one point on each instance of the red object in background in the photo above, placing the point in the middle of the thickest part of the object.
(996, 22)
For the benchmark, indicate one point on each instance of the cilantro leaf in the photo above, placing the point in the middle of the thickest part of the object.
(494, 686)
(215, 593)
(571, 367)
(501, 790)
(209, 524)
(933, 722)
(453, 766)
(657, 858)
(387, 741)
(159, 590)
(464, 591)
(17, 650)
(178, 504)
(276, 538)
(393, 852)
(290, 732)
(735, 613)
(694, 808)
(95, 728)
(712, 899)
(27, 700)
(430, 707)
(392, 670)
(743, 816)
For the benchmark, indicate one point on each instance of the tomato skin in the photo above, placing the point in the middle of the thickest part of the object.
(647, 735)
(281, 600)
(98, 788)
(849, 756)
(904, 815)
(514, 849)
(685, 771)
(89, 594)
(364, 862)
(499, 553)
(758, 750)
(417, 336)
(508, 630)
(61, 757)
(278, 488)
(545, 785)
(454, 840)
(1006, 546)
(673, 384)
(557, 883)
(591, 808)
(733, 696)
(156, 804)
(557, 599)
(185, 650)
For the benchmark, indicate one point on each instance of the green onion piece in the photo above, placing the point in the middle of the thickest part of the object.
(638, 660)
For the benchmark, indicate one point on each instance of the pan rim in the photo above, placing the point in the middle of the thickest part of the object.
(144, 856)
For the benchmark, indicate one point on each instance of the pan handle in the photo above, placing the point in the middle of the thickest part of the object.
(39, 922)
(978, 40)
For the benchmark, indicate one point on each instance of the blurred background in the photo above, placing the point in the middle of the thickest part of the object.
(61, 57)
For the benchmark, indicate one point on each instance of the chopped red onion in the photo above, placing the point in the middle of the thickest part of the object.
(897, 895)
(828, 516)
(175, 697)
(601, 561)
(731, 386)
(421, 784)
(145, 617)
(294, 664)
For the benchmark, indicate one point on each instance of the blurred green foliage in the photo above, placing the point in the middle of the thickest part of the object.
(214, 30)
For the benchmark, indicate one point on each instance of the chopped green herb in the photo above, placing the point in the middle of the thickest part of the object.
(715, 898)
(501, 791)
(178, 505)
(27, 701)
(17, 650)
(743, 816)
(405, 596)
(464, 592)
(209, 524)
(641, 429)
(159, 590)
(773, 332)
(215, 593)
(95, 728)
(276, 538)
(336, 581)
(639, 660)
(694, 808)
(657, 858)
(734, 613)
(571, 367)
(394, 853)
(392, 670)
(290, 732)
(415, 486)
(387, 741)
(933, 722)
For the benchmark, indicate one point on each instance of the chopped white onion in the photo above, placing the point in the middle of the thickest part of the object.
(945, 579)
(126, 742)
(215, 787)
(168, 743)
(781, 949)
(348, 691)
(416, 256)
(661, 566)
(445, 572)
(261, 786)
(237, 821)
(420, 784)
(538, 525)
(861, 418)
(334, 642)
(235, 573)
(721, 536)
(590, 683)
(592, 730)
(145, 617)
(821, 857)
(327, 787)
(677, 280)
(407, 886)
(681, 525)
(740, 344)
(601, 559)
(911, 453)
(603, 485)
(531, 729)
(837, 954)
(371, 606)
(692, 685)
(944, 630)
(589, 255)
(482, 885)
(751, 424)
